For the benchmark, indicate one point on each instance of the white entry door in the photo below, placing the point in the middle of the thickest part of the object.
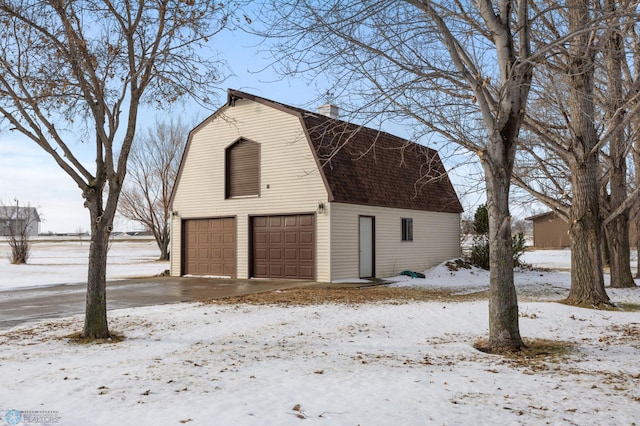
(366, 247)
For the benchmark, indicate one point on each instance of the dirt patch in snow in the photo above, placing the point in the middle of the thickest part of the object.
(350, 296)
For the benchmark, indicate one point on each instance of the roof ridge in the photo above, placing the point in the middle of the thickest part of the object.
(234, 94)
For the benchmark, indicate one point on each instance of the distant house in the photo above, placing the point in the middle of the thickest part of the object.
(549, 231)
(267, 190)
(13, 219)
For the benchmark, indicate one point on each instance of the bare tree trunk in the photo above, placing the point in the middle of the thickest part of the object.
(617, 231)
(635, 130)
(585, 226)
(504, 127)
(605, 207)
(618, 237)
(95, 320)
(504, 329)
(102, 214)
(163, 242)
(636, 161)
(585, 229)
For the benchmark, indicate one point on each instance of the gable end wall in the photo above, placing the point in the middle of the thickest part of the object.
(289, 179)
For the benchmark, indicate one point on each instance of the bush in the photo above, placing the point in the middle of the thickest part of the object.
(480, 250)
(518, 244)
(481, 220)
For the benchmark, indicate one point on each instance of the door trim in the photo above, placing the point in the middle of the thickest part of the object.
(372, 244)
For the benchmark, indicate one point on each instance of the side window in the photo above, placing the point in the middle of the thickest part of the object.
(242, 169)
(407, 229)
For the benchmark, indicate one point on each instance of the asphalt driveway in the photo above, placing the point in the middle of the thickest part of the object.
(57, 301)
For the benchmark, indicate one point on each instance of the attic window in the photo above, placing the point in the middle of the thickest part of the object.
(242, 169)
(407, 229)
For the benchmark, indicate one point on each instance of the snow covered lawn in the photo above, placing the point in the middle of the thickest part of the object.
(403, 363)
(65, 262)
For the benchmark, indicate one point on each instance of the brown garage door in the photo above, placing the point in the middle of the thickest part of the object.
(210, 247)
(284, 246)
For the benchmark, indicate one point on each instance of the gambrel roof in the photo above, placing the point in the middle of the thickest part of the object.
(360, 165)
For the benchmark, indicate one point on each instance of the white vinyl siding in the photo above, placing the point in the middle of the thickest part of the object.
(435, 239)
(289, 179)
(174, 246)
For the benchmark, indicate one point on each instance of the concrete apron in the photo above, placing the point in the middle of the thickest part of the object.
(59, 301)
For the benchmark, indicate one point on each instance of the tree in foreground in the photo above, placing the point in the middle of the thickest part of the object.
(153, 167)
(75, 74)
(461, 70)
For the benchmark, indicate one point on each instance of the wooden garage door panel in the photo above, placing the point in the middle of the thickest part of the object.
(291, 271)
(275, 255)
(284, 246)
(291, 254)
(275, 238)
(306, 220)
(306, 237)
(210, 247)
(306, 254)
(261, 270)
(260, 237)
(275, 270)
(291, 237)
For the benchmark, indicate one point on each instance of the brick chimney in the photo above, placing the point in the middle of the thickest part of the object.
(329, 110)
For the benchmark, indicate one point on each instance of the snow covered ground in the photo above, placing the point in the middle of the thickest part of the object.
(374, 364)
(64, 261)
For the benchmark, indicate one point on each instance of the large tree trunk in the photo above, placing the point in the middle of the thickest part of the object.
(585, 229)
(585, 223)
(617, 231)
(618, 237)
(95, 320)
(504, 329)
(635, 130)
(636, 160)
